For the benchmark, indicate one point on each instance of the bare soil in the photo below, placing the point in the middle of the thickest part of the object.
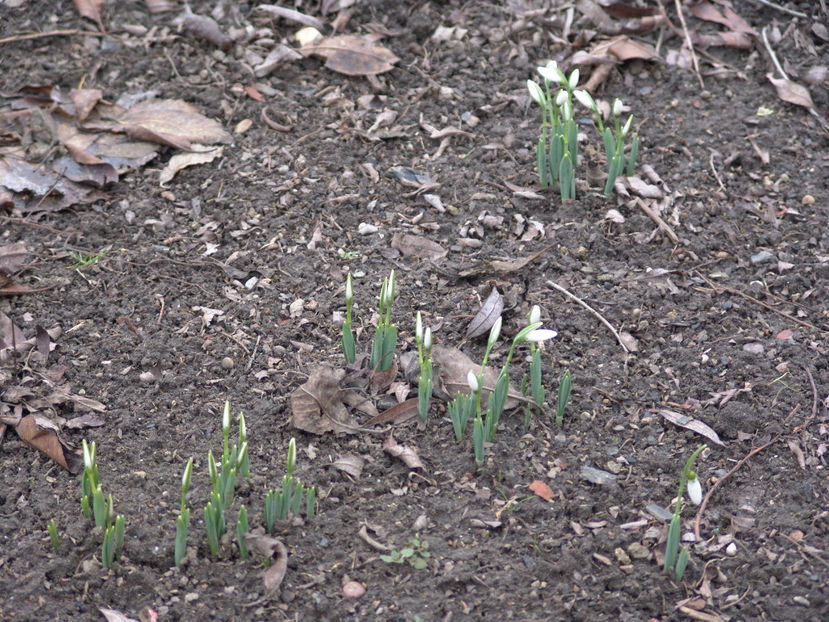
(729, 325)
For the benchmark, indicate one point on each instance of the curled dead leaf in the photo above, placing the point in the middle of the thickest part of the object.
(353, 55)
(42, 434)
(318, 406)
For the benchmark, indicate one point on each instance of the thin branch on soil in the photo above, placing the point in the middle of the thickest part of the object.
(52, 33)
(714, 170)
(593, 311)
(782, 8)
(688, 42)
(718, 289)
(658, 220)
(814, 401)
(716, 485)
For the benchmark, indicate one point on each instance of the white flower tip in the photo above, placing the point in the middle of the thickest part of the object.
(585, 99)
(626, 128)
(541, 334)
(561, 97)
(427, 339)
(419, 327)
(617, 107)
(349, 288)
(574, 78)
(536, 93)
(695, 490)
(472, 381)
(535, 314)
(495, 331)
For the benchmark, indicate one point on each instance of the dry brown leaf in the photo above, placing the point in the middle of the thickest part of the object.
(353, 465)
(273, 550)
(792, 92)
(624, 48)
(732, 21)
(90, 9)
(542, 490)
(12, 258)
(399, 413)
(42, 434)
(84, 101)
(403, 452)
(317, 405)
(353, 55)
(450, 369)
(199, 155)
(488, 314)
(688, 423)
(171, 122)
(417, 246)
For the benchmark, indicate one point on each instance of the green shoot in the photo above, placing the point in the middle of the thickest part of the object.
(53, 533)
(674, 559)
(348, 335)
(415, 554)
(181, 536)
(385, 338)
(241, 530)
(563, 396)
(424, 385)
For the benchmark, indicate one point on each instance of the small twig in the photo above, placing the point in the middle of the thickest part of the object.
(770, 50)
(814, 401)
(711, 490)
(52, 33)
(719, 289)
(273, 124)
(714, 170)
(593, 311)
(782, 8)
(658, 220)
(688, 42)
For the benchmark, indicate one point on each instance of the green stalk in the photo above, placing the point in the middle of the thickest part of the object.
(241, 530)
(310, 502)
(181, 536)
(108, 547)
(120, 527)
(53, 533)
(564, 387)
(478, 440)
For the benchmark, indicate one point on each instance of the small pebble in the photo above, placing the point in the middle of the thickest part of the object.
(801, 600)
(227, 363)
(762, 257)
(146, 376)
(731, 549)
(353, 589)
(807, 199)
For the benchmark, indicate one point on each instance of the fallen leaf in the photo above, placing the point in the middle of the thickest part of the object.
(542, 490)
(399, 413)
(12, 258)
(199, 155)
(450, 369)
(42, 434)
(90, 9)
(792, 92)
(113, 615)
(353, 465)
(624, 48)
(353, 55)
(403, 452)
(84, 421)
(691, 424)
(488, 314)
(273, 550)
(171, 122)
(317, 405)
(417, 246)
(597, 476)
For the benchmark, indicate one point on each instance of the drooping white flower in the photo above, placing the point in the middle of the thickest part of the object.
(494, 332)
(694, 488)
(535, 315)
(617, 107)
(536, 93)
(472, 381)
(626, 128)
(552, 73)
(561, 97)
(427, 340)
(541, 334)
(585, 99)
(567, 110)
(226, 416)
(574, 78)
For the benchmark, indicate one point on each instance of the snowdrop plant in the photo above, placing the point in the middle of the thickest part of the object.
(348, 335)
(614, 140)
(564, 387)
(280, 504)
(556, 161)
(52, 529)
(183, 519)
(385, 338)
(676, 559)
(424, 385)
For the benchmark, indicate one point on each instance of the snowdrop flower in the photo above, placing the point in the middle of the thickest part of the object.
(540, 334)
(536, 93)
(617, 107)
(494, 332)
(427, 340)
(552, 73)
(566, 110)
(419, 328)
(535, 315)
(626, 128)
(349, 289)
(574, 79)
(561, 97)
(694, 488)
(472, 381)
(585, 99)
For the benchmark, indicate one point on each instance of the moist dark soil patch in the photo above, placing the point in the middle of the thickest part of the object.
(282, 217)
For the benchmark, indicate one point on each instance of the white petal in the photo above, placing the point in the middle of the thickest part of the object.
(472, 381)
(535, 314)
(695, 490)
(541, 334)
(535, 91)
(585, 99)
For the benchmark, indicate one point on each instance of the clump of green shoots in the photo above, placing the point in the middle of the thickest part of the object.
(223, 479)
(676, 559)
(564, 387)
(557, 160)
(385, 338)
(614, 140)
(183, 519)
(415, 553)
(52, 529)
(484, 429)
(280, 504)
(424, 385)
(101, 508)
(348, 335)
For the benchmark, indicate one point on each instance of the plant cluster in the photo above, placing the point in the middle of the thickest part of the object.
(416, 553)
(557, 148)
(676, 559)
(95, 506)
(290, 500)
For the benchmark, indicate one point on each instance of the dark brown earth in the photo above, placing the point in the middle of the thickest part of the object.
(708, 313)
